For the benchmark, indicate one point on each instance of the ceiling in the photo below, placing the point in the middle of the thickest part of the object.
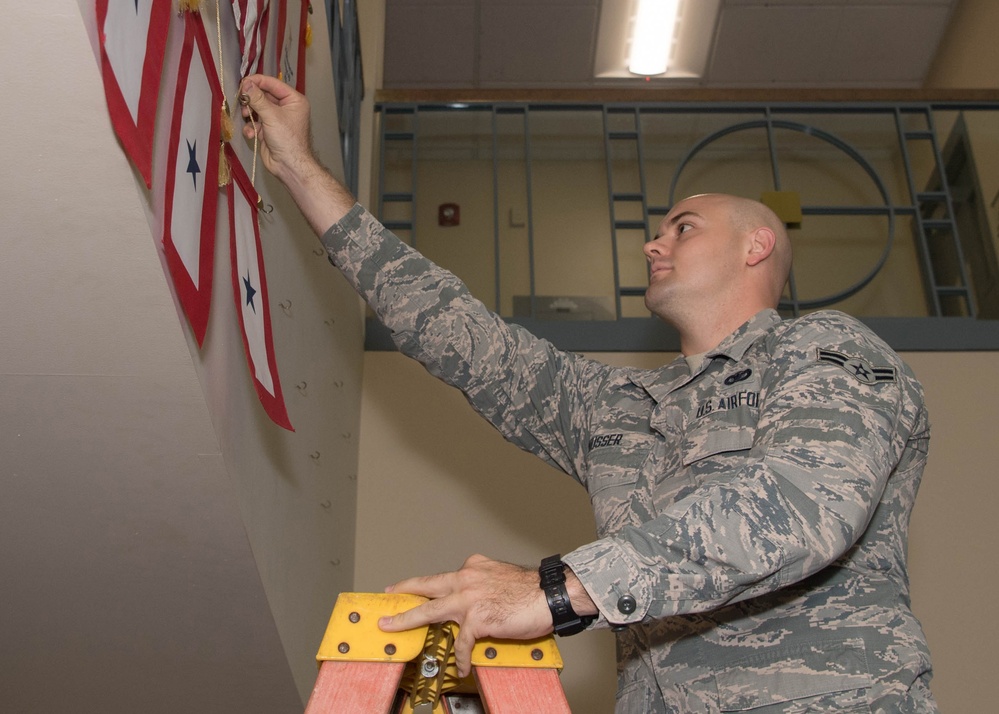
(486, 44)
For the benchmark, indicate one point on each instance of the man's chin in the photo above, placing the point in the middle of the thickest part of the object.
(659, 306)
(669, 304)
(658, 298)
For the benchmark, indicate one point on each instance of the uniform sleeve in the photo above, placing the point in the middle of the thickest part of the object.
(825, 445)
(532, 393)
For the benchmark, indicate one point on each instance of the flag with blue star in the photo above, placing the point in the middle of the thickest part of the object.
(190, 202)
(249, 284)
(133, 39)
(293, 18)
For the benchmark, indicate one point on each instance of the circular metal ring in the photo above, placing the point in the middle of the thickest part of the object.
(839, 144)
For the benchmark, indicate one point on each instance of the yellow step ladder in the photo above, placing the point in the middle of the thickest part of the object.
(363, 670)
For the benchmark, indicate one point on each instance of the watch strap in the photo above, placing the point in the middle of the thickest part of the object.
(564, 619)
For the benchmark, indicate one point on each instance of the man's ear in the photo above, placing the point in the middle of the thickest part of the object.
(761, 245)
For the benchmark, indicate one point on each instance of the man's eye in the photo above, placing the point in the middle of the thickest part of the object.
(684, 227)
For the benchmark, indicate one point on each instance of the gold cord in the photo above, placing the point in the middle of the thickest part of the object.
(218, 32)
(244, 99)
(225, 119)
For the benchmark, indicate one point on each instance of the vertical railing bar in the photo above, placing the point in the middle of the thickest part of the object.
(348, 84)
(921, 242)
(792, 285)
(613, 220)
(945, 187)
(352, 108)
(643, 187)
(530, 207)
(413, 174)
(496, 219)
(772, 148)
(381, 166)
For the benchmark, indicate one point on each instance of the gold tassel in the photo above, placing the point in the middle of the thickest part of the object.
(225, 121)
(308, 28)
(188, 5)
(225, 174)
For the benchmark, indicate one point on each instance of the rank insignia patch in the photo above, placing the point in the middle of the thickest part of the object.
(861, 370)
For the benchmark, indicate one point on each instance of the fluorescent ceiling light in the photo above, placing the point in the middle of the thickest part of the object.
(684, 49)
(652, 36)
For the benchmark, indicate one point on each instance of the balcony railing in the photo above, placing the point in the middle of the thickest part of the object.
(348, 82)
(542, 207)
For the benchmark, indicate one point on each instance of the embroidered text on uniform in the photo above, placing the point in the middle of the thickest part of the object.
(605, 440)
(729, 401)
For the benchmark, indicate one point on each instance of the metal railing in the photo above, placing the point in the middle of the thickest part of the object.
(889, 169)
(348, 83)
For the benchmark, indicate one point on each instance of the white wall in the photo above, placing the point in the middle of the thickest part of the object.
(165, 547)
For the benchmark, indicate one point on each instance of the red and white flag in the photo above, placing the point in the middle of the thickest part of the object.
(191, 192)
(249, 284)
(252, 17)
(293, 19)
(133, 36)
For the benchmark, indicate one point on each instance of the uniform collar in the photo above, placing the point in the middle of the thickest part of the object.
(660, 382)
(735, 345)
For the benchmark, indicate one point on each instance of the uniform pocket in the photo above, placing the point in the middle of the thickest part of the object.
(717, 434)
(723, 419)
(635, 698)
(618, 493)
(804, 679)
(615, 460)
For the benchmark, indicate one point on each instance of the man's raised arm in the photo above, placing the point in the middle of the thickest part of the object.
(282, 125)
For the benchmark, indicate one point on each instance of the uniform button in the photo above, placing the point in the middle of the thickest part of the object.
(626, 604)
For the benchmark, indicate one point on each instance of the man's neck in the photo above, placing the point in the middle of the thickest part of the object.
(705, 332)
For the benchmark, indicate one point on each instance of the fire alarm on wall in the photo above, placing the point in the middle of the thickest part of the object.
(448, 214)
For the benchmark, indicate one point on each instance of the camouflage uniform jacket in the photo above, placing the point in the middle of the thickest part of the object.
(752, 515)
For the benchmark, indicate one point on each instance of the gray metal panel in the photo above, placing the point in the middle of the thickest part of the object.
(638, 334)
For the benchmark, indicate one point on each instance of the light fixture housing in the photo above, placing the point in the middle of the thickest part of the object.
(684, 47)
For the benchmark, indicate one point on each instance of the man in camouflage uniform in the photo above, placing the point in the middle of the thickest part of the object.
(752, 497)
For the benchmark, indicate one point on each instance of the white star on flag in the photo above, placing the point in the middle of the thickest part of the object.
(249, 285)
(252, 17)
(292, 19)
(191, 192)
(133, 38)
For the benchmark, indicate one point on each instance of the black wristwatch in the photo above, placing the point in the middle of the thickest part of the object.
(564, 618)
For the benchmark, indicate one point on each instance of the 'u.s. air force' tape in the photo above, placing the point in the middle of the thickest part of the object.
(861, 370)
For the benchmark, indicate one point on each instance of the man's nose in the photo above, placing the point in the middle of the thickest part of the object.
(654, 248)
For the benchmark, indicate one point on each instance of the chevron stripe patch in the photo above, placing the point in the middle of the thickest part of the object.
(857, 368)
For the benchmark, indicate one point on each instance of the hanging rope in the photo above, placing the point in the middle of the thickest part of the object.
(225, 117)
(244, 99)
